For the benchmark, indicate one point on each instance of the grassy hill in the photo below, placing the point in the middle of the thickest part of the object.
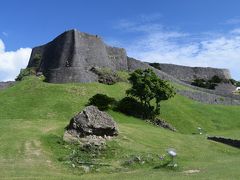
(33, 115)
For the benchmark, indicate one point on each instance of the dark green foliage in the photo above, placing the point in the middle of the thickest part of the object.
(130, 106)
(146, 86)
(216, 79)
(26, 72)
(199, 83)
(234, 82)
(155, 65)
(106, 75)
(102, 101)
(204, 84)
(37, 60)
(208, 84)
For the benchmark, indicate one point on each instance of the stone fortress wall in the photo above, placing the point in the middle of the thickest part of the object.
(193, 92)
(71, 56)
(188, 74)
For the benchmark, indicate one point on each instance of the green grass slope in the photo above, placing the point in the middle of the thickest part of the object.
(33, 115)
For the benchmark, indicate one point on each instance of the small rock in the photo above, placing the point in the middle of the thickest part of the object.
(86, 169)
(70, 138)
(161, 123)
(191, 171)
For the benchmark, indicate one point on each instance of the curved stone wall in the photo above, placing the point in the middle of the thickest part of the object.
(188, 74)
(70, 56)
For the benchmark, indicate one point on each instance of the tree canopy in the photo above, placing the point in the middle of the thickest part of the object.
(147, 86)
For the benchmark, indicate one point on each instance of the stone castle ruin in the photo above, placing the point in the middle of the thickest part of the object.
(188, 74)
(71, 56)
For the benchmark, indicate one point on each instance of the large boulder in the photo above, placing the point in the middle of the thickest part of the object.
(92, 122)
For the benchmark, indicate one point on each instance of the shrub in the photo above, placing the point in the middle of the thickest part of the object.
(199, 83)
(208, 84)
(37, 60)
(234, 82)
(106, 75)
(25, 72)
(155, 65)
(102, 101)
(215, 79)
(130, 106)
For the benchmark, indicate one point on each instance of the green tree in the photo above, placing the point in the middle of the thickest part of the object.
(146, 86)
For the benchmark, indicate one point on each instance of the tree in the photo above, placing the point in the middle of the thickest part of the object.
(146, 86)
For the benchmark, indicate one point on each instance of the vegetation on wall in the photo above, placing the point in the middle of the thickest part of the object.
(37, 60)
(234, 82)
(155, 65)
(108, 76)
(26, 72)
(208, 84)
(30, 71)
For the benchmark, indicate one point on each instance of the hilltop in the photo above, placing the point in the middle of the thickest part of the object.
(73, 56)
(35, 113)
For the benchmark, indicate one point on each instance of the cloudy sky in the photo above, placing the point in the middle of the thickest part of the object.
(186, 32)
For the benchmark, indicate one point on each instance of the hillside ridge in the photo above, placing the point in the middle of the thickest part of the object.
(71, 56)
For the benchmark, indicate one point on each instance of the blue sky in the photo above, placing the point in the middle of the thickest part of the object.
(187, 32)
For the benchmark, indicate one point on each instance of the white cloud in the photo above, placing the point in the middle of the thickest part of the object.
(12, 61)
(169, 46)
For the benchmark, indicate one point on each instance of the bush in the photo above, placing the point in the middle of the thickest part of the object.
(106, 75)
(216, 79)
(199, 83)
(234, 82)
(210, 84)
(102, 101)
(130, 106)
(37, 60)
(25, 72)
(155, 65)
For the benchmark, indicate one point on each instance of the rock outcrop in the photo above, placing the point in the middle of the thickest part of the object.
(92, 121)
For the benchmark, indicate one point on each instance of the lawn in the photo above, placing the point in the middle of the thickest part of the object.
(33, 115)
